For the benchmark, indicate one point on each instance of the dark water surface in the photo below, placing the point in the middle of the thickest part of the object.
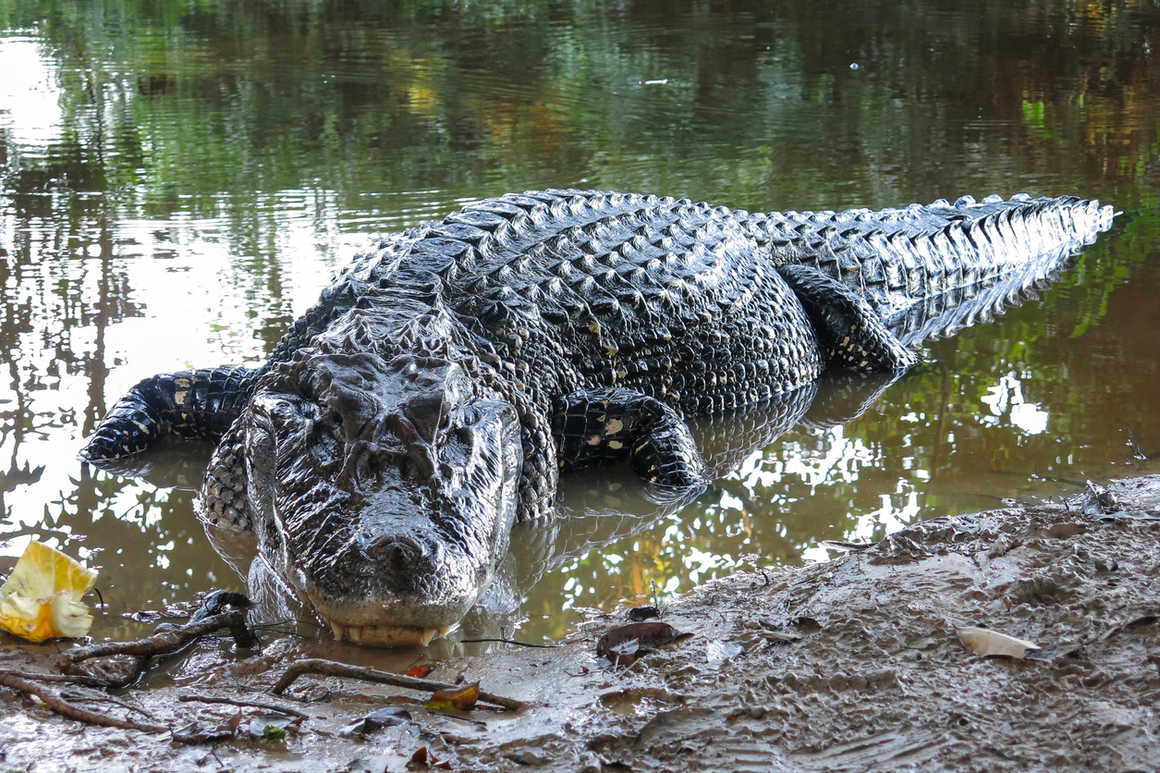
(179, 180)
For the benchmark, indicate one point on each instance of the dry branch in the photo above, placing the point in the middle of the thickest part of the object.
(510, 641)
(82, 679)
(63, 707)
(333, 668)
(245, 704)
(167, 639)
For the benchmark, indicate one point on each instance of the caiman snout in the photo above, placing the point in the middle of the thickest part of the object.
(397, 579)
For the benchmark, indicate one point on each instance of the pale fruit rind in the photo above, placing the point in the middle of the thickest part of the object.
(41, 599)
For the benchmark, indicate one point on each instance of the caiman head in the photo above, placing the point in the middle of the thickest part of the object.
(382, 492)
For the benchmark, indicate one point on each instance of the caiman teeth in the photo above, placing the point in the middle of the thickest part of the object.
(386, 635)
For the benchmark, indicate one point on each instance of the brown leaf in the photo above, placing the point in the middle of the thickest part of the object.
(235, 722)
(425, 759)
(462, 699)
(376, 720)
(420, 672)
(623, 645)
(419, 759)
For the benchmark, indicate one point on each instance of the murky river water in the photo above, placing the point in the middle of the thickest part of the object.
(179, 180)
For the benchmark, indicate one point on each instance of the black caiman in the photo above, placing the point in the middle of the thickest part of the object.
(443, 381)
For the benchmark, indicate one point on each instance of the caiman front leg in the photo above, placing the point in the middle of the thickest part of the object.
(221, 503)
(594, 425)
(189, 404)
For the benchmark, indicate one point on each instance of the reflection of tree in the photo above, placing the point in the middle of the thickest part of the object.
(15, 422)
(64, 287)
(468, 98)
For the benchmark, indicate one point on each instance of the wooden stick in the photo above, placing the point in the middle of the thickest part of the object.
(81, 679)
(162, 641)
(247, 704)
(166, 639)
(509, 641)
(63, 707)
(106, 699)
(333, 668)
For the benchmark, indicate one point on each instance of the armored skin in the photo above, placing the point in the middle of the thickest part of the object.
(443, 381)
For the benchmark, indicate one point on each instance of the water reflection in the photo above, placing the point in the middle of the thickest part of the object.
(177, 182)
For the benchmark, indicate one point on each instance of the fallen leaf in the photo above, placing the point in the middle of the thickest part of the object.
(717, 651)
(41, 599)
(984, 641)
(389, 715)
(424, 759)
(639, 614)
(1064, 530)
(274, 732)
(806, 624)
(376, 720)
(462, 699)
(623, 645)
(193, 733)
(420, 672)
(271, 727)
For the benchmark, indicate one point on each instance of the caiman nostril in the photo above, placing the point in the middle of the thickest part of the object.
(398, 555)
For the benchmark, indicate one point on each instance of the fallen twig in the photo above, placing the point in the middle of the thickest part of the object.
(509, 641)
(459, 717)
(844, 545)
(106, 699)
(166, 639)
(247, 704)
(82, 679)
(63, 707)
(333, 668)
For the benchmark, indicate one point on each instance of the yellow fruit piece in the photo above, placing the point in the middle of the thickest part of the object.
(41, 598)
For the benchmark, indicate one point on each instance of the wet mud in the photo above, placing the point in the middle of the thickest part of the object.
(849, 664)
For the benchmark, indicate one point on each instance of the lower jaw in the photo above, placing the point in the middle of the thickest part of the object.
(386, 635)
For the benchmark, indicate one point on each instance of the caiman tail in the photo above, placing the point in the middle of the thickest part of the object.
(931, 269)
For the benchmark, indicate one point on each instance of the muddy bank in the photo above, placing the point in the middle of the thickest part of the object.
(848, 664)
